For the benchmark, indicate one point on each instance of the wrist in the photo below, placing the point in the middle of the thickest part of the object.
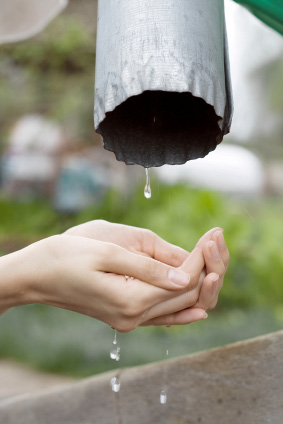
(16, 279)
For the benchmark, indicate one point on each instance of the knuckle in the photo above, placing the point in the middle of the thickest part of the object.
(195, 281)
(222, 268)
(175, 258)
(178, 256)
(51, 243)
(133, 309)
(105, 251)
(99, 221)
(129, 305)
(148, 234)
(213, 303)
(125, 325)
(193, 298)
(201, 277)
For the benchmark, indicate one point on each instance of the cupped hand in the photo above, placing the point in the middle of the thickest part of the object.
(134, 239)
(166, 285)
(88, 276)
(145, 242)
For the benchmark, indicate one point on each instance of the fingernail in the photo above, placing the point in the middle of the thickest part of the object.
(200, 314)
(215, 278)
(213, 250)
(179, 278)
(220, 240)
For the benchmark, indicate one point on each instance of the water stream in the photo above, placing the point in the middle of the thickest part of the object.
(115, 355)
(115, 351)
(163, 392)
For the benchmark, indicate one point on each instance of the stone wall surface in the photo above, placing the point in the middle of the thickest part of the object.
(238, 384)
(18, 379)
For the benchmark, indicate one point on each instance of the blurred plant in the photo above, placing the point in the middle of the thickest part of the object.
(51, 74)
(269, 81)
(66, 47)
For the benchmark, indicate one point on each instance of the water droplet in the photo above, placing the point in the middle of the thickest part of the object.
(115, 354)
(147, 192)
(163, 397)
(115, 384)
(147, 189)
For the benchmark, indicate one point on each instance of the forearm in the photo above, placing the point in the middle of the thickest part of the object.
(15, 280)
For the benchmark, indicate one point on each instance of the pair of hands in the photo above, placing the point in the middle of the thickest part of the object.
(84, 270)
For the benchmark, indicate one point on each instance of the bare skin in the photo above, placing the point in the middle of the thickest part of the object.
(84, 270)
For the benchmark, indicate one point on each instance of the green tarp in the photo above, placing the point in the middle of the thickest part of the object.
(268, 11)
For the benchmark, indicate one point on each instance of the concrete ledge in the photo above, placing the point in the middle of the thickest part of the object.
(17, 379)
(239, 384)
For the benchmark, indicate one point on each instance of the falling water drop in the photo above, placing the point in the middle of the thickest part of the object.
(163, 397)
(115, 352)
(163, 393)
(147, 189)
(115, 355)
(115, 384)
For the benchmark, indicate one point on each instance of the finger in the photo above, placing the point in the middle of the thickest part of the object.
(170, 254)
(218, 237)
(204, 239)
(179, 318)
(162, 251)
(118, 260)
(214, 265)
(207, 237)
(186, 298)
(209, 292)
(194, 261)
(213, 259)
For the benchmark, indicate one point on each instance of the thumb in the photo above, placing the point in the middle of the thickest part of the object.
(118, 260)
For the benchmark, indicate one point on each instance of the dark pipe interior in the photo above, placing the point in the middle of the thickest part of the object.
(158, 127)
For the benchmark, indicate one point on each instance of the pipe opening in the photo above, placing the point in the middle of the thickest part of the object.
(159, 127)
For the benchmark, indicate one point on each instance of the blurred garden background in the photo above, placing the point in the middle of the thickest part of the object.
(55, 174)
